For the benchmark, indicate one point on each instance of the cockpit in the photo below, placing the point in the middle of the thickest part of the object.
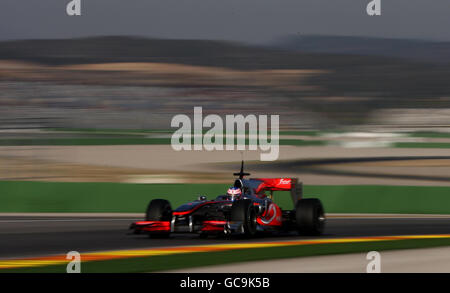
(249, 188)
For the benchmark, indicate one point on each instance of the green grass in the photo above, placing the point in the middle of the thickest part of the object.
(179, 261)
(127, 141)
(382, 198)
(115, 130)
(110, 130)
(430, 134)
(435, 145)
(19, 196)
(298, 142)
(85, 141)
(94, 197)
(137, 137)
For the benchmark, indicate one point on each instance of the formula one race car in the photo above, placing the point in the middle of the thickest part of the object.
(246, 209)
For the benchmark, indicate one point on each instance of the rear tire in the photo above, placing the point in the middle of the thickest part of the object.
(310, 216)
(243, 211)
(159, 210)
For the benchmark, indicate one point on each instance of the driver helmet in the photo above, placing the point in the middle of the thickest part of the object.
(234, 192)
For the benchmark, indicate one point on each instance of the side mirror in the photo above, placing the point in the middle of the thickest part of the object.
(202, 198)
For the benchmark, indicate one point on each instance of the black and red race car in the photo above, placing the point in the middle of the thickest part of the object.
(253, 212)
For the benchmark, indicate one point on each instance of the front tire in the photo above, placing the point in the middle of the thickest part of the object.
(159, 210)
(310, 216)
(243, 211)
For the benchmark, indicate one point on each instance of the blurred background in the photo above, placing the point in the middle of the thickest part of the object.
(90, 98)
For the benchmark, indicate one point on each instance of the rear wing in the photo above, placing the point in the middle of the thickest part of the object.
(282, 184)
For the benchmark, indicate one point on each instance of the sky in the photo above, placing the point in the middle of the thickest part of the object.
(253, 21)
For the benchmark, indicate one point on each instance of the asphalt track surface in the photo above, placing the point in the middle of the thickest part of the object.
(24, 236)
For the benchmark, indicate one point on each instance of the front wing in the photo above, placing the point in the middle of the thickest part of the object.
(172, 227)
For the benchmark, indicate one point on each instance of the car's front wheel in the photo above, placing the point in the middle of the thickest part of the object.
(244, 212)
(159, 210)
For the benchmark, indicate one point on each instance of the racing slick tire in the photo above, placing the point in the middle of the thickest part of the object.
(310, 216)
(243, 211)
(159, 210)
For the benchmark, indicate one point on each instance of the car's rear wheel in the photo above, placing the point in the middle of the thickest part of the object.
(159, 210)
(310, 216)
(243, 211)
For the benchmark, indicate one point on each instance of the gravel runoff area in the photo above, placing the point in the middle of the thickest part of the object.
(160, 164)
